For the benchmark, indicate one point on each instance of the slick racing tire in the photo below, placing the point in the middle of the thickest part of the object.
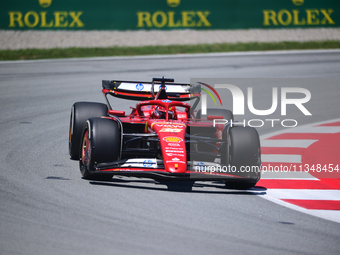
(227, 114)
(244, 156)
(101, 142)
(80, 113)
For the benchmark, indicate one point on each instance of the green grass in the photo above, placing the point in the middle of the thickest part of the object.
(150, 50)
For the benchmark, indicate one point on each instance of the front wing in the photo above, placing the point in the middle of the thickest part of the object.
(154, 169)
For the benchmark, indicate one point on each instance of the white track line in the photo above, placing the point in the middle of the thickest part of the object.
(284, 131)
(325, 214)
(305, 194)
(283, 158)
(275, 195)
(314, 130)
(288, 143)
(287, 175)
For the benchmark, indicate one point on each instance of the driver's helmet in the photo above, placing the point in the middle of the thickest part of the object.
(160, 112)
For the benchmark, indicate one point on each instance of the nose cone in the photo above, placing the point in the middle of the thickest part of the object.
(174, 152)
(172, 141)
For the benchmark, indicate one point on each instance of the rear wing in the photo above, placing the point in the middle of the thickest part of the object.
(141, 90)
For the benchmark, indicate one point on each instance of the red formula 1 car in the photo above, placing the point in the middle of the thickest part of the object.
(163, 137)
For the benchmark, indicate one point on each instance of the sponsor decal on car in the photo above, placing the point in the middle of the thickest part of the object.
(147, 163)
(171, 148)
(165, 89)
(175, 154)
(140, 86)
(175, 151)
(174, 144)
(172, 139)
(175, 161)
(171, 130)
(167, 125)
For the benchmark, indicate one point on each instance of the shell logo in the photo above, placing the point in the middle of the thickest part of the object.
(172, 139)
(45, 3)
(298, 2)
(173, 3)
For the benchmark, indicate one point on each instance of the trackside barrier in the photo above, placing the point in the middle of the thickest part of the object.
(167, 14)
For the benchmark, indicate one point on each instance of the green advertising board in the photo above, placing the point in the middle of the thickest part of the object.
(167, 14)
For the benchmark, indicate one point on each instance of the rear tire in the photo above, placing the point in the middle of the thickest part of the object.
(101, 142)
(80, 113)
(244, 156)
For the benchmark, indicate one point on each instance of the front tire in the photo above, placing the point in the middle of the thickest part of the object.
(80, 113)
(101, 142)
(244, 155)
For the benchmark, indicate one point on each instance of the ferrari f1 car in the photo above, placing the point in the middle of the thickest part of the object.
(163, 138)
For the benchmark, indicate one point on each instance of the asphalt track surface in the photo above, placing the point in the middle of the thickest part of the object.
(46, 208)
